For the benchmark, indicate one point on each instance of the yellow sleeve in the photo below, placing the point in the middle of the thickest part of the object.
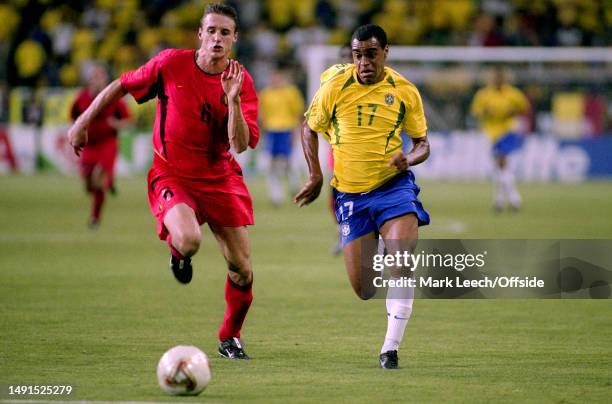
(332, 72)
(414, 123)
(520, 101)
(477, 106)
(319, 113)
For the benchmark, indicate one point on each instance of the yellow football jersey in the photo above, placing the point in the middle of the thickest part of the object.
(363, 124)
(496, 109)
(280, 108)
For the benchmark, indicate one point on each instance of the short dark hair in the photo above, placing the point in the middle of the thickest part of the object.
(223, 9)
(368, 31)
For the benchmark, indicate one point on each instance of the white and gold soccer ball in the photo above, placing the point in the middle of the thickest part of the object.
(183, 370)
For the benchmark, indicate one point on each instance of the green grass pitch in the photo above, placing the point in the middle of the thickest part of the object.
(97, 309)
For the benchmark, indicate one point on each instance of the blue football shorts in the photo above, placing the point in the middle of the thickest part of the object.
(361, 213)
(279, 143)
(507, 144)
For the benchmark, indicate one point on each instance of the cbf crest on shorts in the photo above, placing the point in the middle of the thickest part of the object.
(167, 194)
(346, 229)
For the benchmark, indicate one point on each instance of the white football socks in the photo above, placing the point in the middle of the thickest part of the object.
(510, 189)
(275, 187)
(505, 188)
(499, 197)
(399, 308)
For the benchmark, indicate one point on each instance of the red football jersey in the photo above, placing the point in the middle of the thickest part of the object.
(99, 130)
(190, 133)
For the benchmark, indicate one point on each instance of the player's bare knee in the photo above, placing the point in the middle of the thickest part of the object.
(187, 243)
(241, 267)
(241, 275)
(192, 243)
(98, 178)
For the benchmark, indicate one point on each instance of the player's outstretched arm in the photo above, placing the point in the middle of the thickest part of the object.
(418, 154)
(312, 188)
(77, 134)
(237, 129)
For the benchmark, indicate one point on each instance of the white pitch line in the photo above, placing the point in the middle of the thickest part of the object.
(449, 225)
(85, 402)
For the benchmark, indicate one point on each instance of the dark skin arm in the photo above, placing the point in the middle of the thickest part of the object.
(77, 134)
(312, 188)
(310, 144)
(418, 154)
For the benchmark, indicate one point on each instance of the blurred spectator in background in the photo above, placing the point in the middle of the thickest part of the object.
(97, 161)
(6, 150)
(3, 103)
(496, 107)
(281, 108)
(45, 43)
(49, 39)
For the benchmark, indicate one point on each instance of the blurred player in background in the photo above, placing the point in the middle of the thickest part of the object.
(206, 105)
(362, 109)
(97, 161)
(496, 107)
(281, 109)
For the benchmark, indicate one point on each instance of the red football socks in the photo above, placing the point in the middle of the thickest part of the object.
(238, 300)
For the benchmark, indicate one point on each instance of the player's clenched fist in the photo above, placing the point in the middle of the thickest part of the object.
(77, 137)
(400, 161)
(309, 192)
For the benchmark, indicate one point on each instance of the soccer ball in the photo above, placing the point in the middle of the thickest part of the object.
(183, 370)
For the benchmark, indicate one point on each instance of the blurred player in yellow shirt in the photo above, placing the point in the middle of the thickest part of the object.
(281, 109)
(497, 107)
(361, 109)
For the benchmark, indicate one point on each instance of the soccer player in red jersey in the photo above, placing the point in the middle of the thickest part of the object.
(206, 105)
(97, 162)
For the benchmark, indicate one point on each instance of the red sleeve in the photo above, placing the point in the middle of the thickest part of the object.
(75, 111)
(250, 108)
(145, 82)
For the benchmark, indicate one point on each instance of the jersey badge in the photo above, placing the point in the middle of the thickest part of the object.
(389, 99)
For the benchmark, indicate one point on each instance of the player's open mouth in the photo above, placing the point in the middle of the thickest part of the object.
(217, 48)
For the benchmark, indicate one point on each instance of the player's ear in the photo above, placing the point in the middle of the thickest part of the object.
(386, 51)
(200, 32)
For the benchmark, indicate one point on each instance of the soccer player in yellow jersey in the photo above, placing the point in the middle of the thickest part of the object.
(496, 107)
(361, 108)
(281, 107)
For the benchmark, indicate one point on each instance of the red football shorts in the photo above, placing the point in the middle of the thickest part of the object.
(224, 202)
(101, 154)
